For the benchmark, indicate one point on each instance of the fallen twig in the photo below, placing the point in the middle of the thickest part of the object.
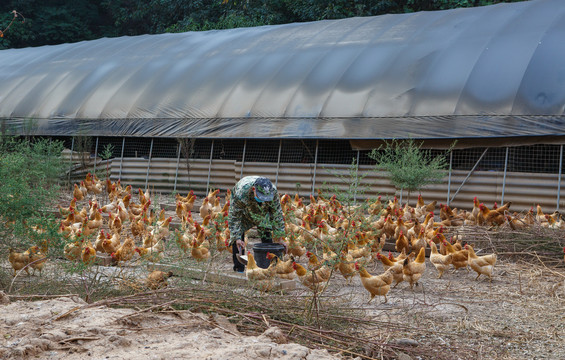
(67, 313)
(24, 297)
(78, 338)
(147, 309)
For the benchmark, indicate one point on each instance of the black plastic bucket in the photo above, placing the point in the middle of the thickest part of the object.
(260, 251)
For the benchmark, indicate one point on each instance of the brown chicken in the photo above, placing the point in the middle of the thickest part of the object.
(492, 217)
(394, 267)
(65, 211)
(254, 272)
(294, 247)
(400, 258)
(161, 229)
(37, 259)
(92, 186)
(377, 243)
(96, 222)
(314, 280)
(81, 216)
(158, 279)
(362, 253)
(283, 269)
(18, 261)
(88, 254)
(423, 208)
(112, 244)
(459, 258)
(125, 251)
(180, 211)
(115, 223)
(137, 210)
(77, 193)
(100, 239)
(184, 240)
(402, 243)
(482, 265)
(441, 262)
(137, 228)
(515, 223)
(375, 284)
(144, 197)
(148, 240)
(179, 197)
(389, 227)
(346, 266)
(222, 243)
(413, 270)
(496, 217)
(205, 208)
(419, 241)
(72, 250)
(154, 253)
(199, 252)
(400, 228)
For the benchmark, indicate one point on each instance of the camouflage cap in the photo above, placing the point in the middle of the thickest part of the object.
(264, 189)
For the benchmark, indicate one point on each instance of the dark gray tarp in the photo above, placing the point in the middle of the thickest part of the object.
(495, 71)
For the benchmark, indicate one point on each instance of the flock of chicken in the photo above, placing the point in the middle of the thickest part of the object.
(347, 238)
(146, 227)
(351, 237)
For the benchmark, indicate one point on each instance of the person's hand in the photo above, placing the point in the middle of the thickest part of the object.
(240, 244)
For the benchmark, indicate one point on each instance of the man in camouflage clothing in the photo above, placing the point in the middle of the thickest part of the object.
(254, 202)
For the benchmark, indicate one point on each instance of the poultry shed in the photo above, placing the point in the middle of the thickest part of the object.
(301, 102)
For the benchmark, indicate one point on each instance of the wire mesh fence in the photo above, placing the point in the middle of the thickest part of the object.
(497, 173)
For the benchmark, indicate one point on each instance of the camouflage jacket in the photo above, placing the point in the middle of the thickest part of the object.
(245, 212)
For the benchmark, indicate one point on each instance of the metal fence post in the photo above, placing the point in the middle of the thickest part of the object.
(71, 159)
(95, 155)
(278, 164)
(449, 176)
(148, 164)
(356, 178)
(504, 177)
(315, 166)
(243, 158)
(177, 170)
(469, 174)
(559, 178)
(210, 167)
(122, 158)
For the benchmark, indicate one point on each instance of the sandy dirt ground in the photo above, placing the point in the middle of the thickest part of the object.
(36, 330)
(520, 315)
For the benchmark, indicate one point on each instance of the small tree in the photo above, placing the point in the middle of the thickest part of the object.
(409, 166)
(106, 155)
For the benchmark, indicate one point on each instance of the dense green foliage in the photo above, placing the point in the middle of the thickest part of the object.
(59, 21)
(409, 167)
(29, 175)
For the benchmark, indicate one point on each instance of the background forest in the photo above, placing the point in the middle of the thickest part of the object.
(49, 22)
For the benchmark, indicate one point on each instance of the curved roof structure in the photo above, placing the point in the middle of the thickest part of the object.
(494, 71)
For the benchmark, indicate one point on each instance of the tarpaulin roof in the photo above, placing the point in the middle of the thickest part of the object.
(493, 71)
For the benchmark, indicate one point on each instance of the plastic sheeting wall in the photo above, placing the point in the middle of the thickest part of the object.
(492, 71)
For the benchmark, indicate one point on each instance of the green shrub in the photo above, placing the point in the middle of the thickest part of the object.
(409, 167)
(29, 177)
